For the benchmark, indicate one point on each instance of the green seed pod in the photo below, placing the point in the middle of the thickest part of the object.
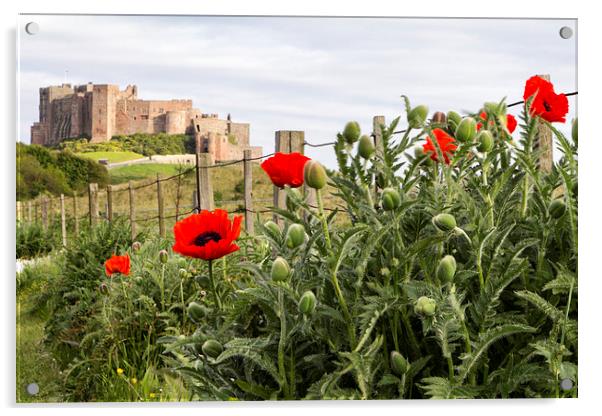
(444, 222)
(183, 273)
(272, 227)
(575, 131)
(485, 140)
(197, 312)
(425, 306)
(280, 270)
(212, 348)
(352, 132)
(315, 175)
(417, 116)
(366, 147)
(390, 199)
(163, 256)
(557, 208)
(307, 303)
(293, 197)
(446, 269)
(295, 235)
(453, 120)
(399, 364)
(136, 246)
(467, 130)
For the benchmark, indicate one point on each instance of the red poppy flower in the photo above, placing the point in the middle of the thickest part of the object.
(445, 142)
(285, 169)
(208, 235)
(510, 122)
(546, 103)
(117, 264)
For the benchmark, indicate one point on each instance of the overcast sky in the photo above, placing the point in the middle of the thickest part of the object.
(310, 74)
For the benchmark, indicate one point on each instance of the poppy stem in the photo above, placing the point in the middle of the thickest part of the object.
(214, 287)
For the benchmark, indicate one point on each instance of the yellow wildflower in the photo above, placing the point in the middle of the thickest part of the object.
(152, 395)
(120, 371)
(134, 380)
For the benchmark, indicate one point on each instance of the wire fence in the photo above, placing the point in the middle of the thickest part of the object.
(123, 200)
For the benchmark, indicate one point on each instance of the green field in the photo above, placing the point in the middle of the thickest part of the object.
(112, 157)
(137, 172)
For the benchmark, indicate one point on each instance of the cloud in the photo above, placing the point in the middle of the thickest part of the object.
(311, 74)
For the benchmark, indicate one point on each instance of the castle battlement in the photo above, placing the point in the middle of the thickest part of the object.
(101, 111)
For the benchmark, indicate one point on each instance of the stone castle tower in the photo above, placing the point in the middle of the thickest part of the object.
(101, 111)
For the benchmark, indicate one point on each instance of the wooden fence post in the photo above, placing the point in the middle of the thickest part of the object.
(248, 185)
(19, 211)
(543, 144)
(204, 180)
(161, 212)
(195, 202)
(93, 200)
(132, 211)
(29, 212)
(63, 222)
(110, 203)
(75, 217)
(45, 213)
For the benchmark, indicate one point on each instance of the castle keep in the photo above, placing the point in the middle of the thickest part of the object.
(102, 111)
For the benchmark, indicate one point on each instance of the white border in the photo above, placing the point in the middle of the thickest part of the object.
(590, 215)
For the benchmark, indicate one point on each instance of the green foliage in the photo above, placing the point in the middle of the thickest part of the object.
(33, 241)
(141, 143)
(41, 170)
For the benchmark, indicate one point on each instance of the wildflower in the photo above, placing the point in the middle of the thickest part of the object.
(152, 395)
(285, 169)
(134, 380)
(119, 371)
(445, 142)
(118, 264)
(546, 103)
(208, 235)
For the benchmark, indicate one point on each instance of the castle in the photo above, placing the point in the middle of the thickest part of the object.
(101, 111)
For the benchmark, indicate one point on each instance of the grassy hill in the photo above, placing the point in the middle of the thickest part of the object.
(112, 157)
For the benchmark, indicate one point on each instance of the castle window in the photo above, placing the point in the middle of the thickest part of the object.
(134, 117)
(144, 117)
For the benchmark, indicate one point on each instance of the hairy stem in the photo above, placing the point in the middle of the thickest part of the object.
(281, 342)
(214, 287)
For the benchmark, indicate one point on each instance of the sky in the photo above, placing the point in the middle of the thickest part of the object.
(298, 73)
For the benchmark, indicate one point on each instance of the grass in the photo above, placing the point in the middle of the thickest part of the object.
(123, 174)
(34, 363)
(112, 157)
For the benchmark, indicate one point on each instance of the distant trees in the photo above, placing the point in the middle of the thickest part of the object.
(145, 144)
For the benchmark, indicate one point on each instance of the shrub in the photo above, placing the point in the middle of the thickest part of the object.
(34, 241)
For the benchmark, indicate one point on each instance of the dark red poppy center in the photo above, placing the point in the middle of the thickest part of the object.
(547, 106)
(205, 237)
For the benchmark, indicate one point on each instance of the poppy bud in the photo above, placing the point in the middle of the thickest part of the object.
(292, 199)
(366, 147)
(446, 269)
(390, 199)
(575, 131)
(315, 175)
(103, 288)
(444, 222)
(453, 120)
(352, 131)
(438, 118)
(466, 130)
(280, 270)
(295, 236)
(183, 273)
(399, 364)
(196, 312)
(485, 140)
(557, 208)
(307, 303)
(136, 245)
(212, 348)
(425, 306)
(417, 116)
(493, 108)
(163, 256)
(272, 227)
